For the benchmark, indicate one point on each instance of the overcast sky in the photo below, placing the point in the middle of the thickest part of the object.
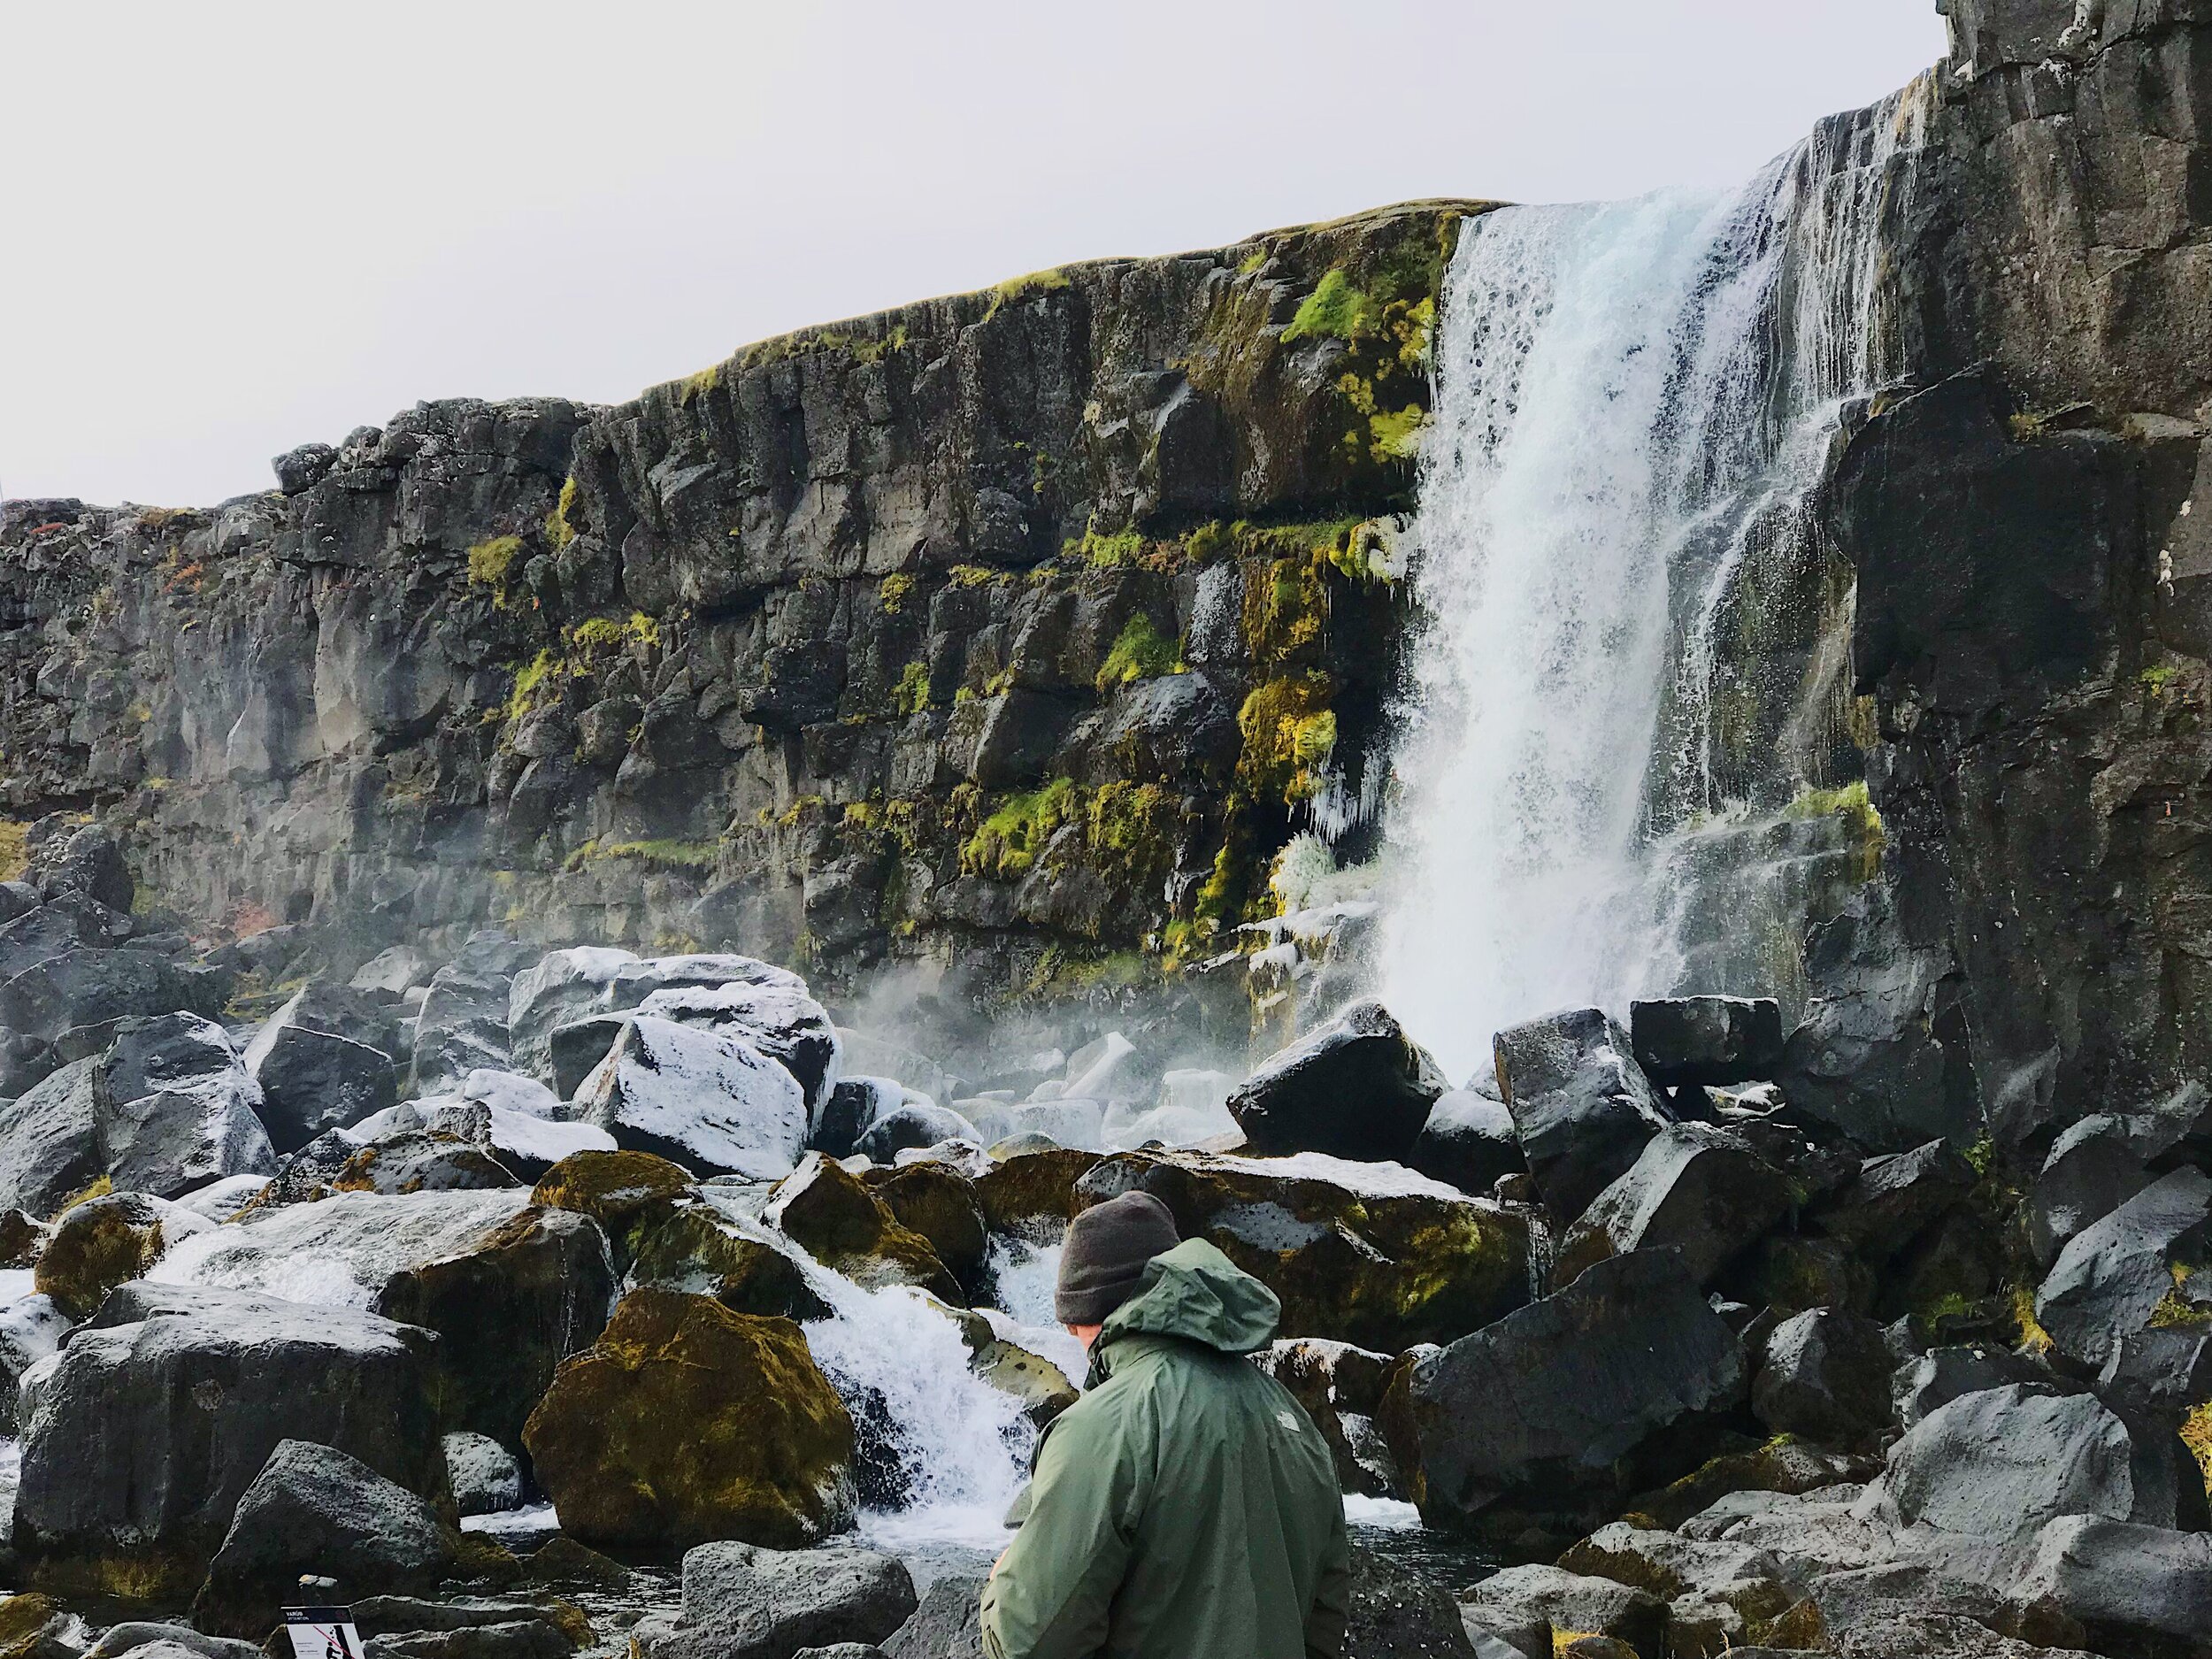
(228, 228)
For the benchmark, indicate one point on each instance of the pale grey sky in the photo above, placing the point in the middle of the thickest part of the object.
(230, 228)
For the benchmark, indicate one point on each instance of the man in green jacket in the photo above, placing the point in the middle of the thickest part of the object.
(1186, 1507)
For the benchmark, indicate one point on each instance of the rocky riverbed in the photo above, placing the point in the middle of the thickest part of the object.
(531, 1301)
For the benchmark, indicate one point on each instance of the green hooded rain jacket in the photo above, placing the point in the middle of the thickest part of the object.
(1186, 1507)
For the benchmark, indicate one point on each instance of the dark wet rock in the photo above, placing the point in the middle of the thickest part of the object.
(1365, 1254)
(1467, 1142)
(312, 1080)
(509, 1307)
(1571, 1602)
(31, 1328)
(463, 1022)
(104, 1242)
(1581, 1105)
(1031, 1191)
(715, 1103)
(940, 1203)
(135, 1635)
(1542, 1416)
(536, 1637)
(311, 1173)
(627, 1193)
(86, 988)
(705, 1247)
(1695, 1189)
(178, 1108)
(853, 1105)
(1707, 1040)
(120, 1491)
(574, 1050)
(1893, 1197)
(313, 1509)
(1790, 1272)
(2002, 1462)
(1356, 1088)
(912, 1126)
(1782, 1466)
(561, 1559)
(1825, 1376)
(948, 1625)
(2115, 1276)
(742, 1602)
(422, 1161)
(687, 1421)
(88, 862)
(1397, 1613)
(830, 1212)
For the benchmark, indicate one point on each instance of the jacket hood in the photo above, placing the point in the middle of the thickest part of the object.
(1196, 1293)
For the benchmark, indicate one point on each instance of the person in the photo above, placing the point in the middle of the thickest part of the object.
(1186, 1507)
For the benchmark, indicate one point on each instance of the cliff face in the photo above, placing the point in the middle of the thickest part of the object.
(1002, 630)
(2028, 523)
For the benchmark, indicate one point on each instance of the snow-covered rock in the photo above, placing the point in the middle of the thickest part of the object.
(711, 1102)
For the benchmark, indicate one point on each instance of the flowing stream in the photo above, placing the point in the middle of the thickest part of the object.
(1634, 403)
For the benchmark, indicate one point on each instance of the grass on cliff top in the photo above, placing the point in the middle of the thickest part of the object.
(1141, 651)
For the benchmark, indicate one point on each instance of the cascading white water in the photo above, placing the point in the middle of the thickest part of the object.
(1628, 397)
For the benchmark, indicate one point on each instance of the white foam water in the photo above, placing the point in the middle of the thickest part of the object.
(1629, 396)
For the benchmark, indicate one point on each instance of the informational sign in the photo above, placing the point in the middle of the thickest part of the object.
(322, 1633)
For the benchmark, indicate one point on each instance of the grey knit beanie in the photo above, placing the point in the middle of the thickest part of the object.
(1107, 1247)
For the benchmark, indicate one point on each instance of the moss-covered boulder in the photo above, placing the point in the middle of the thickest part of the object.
(508, 1307)
(100, 1244)
(627, 1194)
(828, 1211)
(938, 1202)
(1042, 1387)
(703, 1250)
(685, 1421)
(1368, 1254)
(1033, 1193)
(31, 1627)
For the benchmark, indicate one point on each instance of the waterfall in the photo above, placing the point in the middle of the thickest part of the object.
(1634, 403)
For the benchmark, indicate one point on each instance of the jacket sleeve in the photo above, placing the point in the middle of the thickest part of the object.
(1051, 1593)
(1332, 1595)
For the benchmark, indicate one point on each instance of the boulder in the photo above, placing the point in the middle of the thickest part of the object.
(1398, 1613)
(627, 1193)
(1825, 1376)
(560, 987)
(913, 1127)
(1695, 1189)
(31, 1329)
(450, 1626)
(312, 1081)
(575, 1048)
(948, 1625)
(1467, 1142)
(158, 1416)
(583, 992)
(2114, 1586)
(743, 1602)
(1542, 1416)
(1666, 1564)
(47, 928)
(1570, 1603)
(1893, 1198)
(1341, 1389)
(1582, 1107)
(781, 1021)
(2160, 1375)
(482, 1474)
(2116, 1275)
(685, 1421)
(422, 1161)
(828, 1211)
(392, 971)
(87, 861)
(1782, 1466)
(50, 1141)
(314, 1509)
(1030, 1192)
(1368, 1254)
(522, 1144)
(1356, 1088)
(509, 1305)
(1701, 1041)
(178, 1108)
(852, 1106)
(140, 1636)
(108, 1242)
(937, 1202)
(89, 988)
(1931, 1380)
(2093, 1168)
(713, 1102)
(2002, 1462)
(705, 1246)
(463, 1022)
